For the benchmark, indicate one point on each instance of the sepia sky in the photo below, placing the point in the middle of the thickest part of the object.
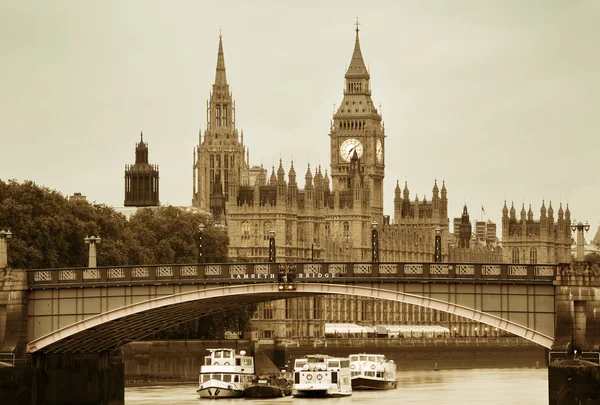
(501, 99)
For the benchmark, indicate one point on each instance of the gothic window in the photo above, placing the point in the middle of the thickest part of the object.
(226, 175)
(533, 255)
(346, 231)
(218, 115)
(212, 172)
(266, 228)
(268, 310)
(515, 255)
(288, 232)
(245, 230)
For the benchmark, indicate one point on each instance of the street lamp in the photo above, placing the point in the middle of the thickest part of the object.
(92, 241)
(374, 243)
(312, 251)
(580, 227)
(200, 235)
(272, 246)
(4, 237)
(437, 257)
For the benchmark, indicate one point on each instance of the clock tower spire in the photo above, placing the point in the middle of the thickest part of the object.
(357, 128)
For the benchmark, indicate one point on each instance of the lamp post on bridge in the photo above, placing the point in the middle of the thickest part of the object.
(374, 243)
(92, 241)
(580, 227)
(312, 251)
(272, 255)
(4, 237)
(200, 235)
(437, 257)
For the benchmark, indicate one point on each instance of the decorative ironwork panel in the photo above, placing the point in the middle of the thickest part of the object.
(67, 275)
(237, 269)
(212, 270)
(388, 269)
(140, 272)
(164, 271)
(517, 270)
(413, 268)
(545, 271)
(337, 268)
(490, 270)
(362, 269)
(261, 269)
(465, 269)
(91, 274)
(439, 269)
(42, 275)
(311, 268)
(116, 272)
(187, 271)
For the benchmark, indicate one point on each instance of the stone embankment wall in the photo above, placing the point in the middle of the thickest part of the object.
(147, 362)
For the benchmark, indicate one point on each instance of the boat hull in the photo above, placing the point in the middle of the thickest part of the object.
(362, 383)
(264, 391)
(218, 389)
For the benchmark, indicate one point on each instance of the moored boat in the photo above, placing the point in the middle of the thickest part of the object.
(372, 372)
(321, 375)
(225, 374)
(267, 387)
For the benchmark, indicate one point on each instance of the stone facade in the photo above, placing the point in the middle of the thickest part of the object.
(536, 241)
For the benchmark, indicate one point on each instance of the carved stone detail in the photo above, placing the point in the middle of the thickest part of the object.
(362, 268)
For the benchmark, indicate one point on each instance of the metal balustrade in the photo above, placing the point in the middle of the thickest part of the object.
(343, 272)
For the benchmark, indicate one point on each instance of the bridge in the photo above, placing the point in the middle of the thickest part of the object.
(82, 314)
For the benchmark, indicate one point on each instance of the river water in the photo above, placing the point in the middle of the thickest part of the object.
(517, 386)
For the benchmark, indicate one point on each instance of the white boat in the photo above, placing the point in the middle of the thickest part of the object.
(225, 374)
(320, 375)
(372, 372)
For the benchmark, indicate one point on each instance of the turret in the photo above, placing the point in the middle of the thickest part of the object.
(292, 185)
(281, 186)
(513, 213)
(273, 178)
(308, 188)
(530, 214)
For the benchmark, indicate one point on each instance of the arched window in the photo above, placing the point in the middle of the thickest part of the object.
(346, 231)
(266, 228)
(533, 255)
(245, 230)
(515, 255)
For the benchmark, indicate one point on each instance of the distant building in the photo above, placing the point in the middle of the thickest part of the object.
(77, 197)
(526, 240)
(141, 179)
(478, 247)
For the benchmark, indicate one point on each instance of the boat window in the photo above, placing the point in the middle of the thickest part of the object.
(315, 359)
(370, 373)
(236, 378)
(246, 361)
(218, 355)
(345, 363)
(333, 363)
(226, 378)
(363, 358)
(205, 377)
(334, 377)
(353, 358)
(207, 360)
(300, 363)
(372, 358)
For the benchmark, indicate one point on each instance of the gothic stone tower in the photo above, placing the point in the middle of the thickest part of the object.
(141, 179)
(357, 128)
(219, 157)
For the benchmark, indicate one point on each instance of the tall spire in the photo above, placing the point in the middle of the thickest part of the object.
(357, 64)
(220, 77)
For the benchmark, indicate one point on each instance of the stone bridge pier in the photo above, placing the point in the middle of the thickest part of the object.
(574, 366)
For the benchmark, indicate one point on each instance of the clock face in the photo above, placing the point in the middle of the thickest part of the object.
(379, 151)
(348, 147)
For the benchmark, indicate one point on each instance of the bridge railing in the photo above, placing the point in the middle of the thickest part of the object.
(299, 272)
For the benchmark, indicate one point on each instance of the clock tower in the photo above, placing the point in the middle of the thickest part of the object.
(357, 127)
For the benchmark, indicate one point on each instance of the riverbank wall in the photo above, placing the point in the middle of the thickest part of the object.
(173, 361)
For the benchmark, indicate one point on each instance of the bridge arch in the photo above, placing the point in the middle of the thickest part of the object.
(115, 328)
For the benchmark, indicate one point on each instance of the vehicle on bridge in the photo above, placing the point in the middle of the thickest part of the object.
(225, 374)
(320, 375)
(372, 372)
